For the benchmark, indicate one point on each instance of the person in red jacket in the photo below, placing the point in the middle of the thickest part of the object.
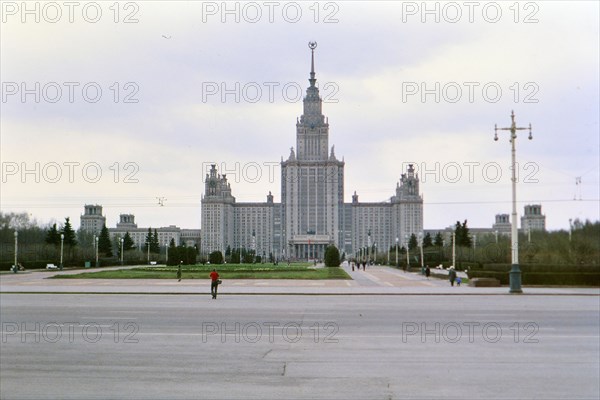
(214, 283)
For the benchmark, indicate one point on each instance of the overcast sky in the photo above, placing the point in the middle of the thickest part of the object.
(124, 105)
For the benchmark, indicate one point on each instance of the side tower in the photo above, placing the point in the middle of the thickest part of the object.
(407, 207)
(217, 213)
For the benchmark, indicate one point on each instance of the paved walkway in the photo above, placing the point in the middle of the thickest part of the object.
(376, 280)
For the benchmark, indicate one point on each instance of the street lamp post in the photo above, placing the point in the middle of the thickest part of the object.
(96, 240)
(16, 266)
(454, 249)
(148, 252)
(570, 228)
(375, 253)
(515, 272)
(167, 253)
(388, 257)
(121, 242)
(62, 240)
(407, 253)
(396, 251)
(474, 247)
(421, 248)
(369, 249)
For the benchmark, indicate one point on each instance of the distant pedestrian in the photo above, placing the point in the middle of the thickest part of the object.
(352, 265)
(179, 273)
(364, 265)
(427, 271)
(452, 275)
(458, 281)
(214, 283)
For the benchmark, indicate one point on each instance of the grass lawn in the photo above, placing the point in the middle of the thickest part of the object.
(226, 271)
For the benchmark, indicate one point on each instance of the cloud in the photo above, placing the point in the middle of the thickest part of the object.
(367, 62)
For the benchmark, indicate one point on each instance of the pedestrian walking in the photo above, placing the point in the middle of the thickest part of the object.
(214, 283)
(452, 275)
(427, 271)
(179, 272)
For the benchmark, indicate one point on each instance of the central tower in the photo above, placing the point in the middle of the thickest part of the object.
(312, 130)
(312, 182)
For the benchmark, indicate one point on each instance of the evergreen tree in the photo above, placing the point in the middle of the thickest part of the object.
(148, 241)
(172, 243)
(412, 242)
(427, 242)
(439, 240)
(70, 239)
(228, 251)
(128, 243)
(104, 244)
(53, 237)
(155, 244)
(467, 241)
(462, 236)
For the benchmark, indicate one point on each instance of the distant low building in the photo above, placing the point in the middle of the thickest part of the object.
(92, 219)
(502, 225)
(533, 220)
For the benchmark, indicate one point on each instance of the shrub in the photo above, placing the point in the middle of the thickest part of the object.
(216, 257)
(332, 256)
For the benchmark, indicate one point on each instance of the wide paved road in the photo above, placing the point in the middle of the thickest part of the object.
(104, 346)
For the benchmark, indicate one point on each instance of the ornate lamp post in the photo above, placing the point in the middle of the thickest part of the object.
(515, 272)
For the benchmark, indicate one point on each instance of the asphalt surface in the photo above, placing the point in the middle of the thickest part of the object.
(384, 335)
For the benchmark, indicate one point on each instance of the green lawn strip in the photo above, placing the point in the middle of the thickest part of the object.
(225, 271)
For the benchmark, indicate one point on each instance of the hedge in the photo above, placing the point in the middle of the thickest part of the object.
(542, 278)
(540, 268)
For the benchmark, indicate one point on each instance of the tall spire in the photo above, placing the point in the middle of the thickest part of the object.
(312, 46)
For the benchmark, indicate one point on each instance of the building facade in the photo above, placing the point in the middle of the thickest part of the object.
(312, 213)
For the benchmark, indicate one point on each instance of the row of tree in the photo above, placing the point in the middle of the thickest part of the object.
(105, 246)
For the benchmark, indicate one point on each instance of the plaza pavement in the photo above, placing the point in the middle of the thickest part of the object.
(384, 335)
(375, 280)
